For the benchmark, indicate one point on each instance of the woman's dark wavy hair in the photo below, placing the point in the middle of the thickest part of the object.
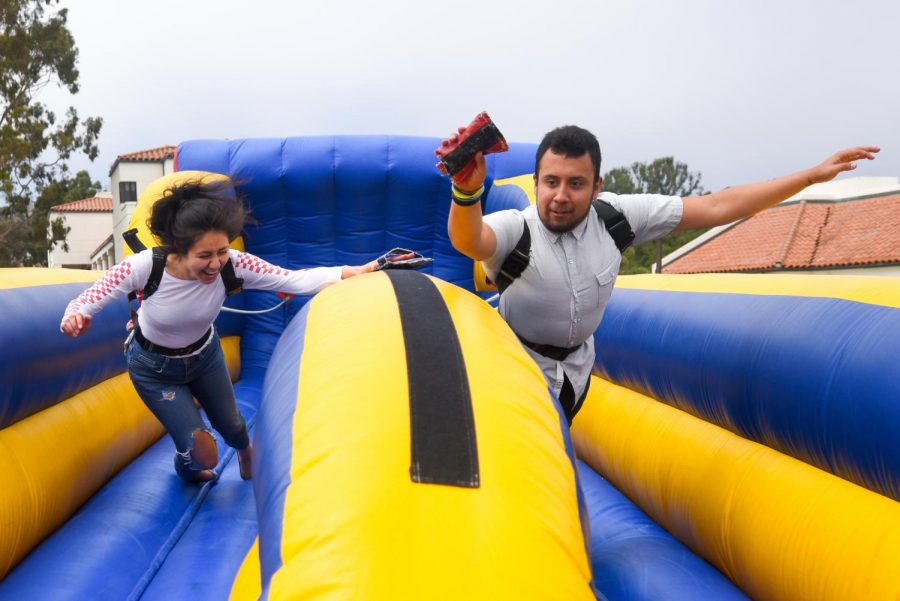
(571, 142)
(188, 211)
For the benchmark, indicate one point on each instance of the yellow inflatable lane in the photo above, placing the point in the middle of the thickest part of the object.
(778, 527)
(874, 290)
(427, 459)
(21, 277)
(53, 461)
(246, 584)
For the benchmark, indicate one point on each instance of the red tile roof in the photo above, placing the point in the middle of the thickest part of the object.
(153, 154)
(803, 236)
(95, 204)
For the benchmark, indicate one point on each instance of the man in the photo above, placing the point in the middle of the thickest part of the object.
(557, 302)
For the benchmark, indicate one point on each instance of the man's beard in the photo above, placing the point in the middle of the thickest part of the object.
(561, 229)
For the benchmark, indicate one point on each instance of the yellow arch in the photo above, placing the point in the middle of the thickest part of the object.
(155, 191)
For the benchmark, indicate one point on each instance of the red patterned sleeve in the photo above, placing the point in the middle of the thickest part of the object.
(262, 275)
(119, 280)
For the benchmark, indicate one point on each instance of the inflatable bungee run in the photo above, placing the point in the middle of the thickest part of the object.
(739, 439)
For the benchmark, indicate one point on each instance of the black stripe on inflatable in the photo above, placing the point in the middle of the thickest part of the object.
(442, 426)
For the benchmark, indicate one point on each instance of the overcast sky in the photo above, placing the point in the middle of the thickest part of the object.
(739, 90)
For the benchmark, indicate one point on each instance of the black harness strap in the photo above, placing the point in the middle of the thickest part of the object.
(132, 240)
(616, 223)
(613, 220)
(442, 424)
(233, 284)
(557, 353)
(159, 265)
(516, 262)
(136, 246)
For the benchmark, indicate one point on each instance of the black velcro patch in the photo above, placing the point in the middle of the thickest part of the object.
(442, 426)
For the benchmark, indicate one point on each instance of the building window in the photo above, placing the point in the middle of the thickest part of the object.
(127, 192)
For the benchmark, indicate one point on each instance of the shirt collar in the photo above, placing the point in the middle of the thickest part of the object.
(581, 228)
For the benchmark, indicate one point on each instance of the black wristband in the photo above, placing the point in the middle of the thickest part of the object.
(466, 203)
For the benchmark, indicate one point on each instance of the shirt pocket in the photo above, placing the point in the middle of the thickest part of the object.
(604, 279)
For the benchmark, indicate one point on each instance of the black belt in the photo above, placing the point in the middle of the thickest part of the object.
(557, 353)
(170, 352)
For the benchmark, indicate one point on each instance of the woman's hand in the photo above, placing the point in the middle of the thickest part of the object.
(351, 270)
(76, 325)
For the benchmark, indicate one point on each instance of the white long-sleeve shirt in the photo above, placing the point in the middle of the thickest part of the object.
(180, 311)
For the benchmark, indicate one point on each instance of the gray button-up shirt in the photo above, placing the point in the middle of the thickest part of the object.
(560, 297)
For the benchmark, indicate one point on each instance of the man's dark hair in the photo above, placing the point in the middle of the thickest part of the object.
(187, 211)
(571, 142)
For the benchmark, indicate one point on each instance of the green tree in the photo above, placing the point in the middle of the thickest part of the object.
(662, 176)
(36, 50)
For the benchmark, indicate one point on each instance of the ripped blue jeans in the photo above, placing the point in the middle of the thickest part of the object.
(168, 386)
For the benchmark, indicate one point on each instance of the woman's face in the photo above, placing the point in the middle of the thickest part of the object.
(205, 259)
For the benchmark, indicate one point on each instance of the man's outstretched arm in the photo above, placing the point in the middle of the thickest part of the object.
(468, 233)
(741, 202)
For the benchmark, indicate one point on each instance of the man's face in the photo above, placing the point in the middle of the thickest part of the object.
(564, 188)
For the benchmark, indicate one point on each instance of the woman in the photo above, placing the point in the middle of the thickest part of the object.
(173, 352)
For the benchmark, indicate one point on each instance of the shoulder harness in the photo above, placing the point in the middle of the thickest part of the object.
(613, 220)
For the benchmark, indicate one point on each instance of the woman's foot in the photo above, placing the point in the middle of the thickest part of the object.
(204, 476)
(245, 457)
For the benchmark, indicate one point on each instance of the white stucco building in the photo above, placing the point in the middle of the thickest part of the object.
(89, 220)
(129, 175)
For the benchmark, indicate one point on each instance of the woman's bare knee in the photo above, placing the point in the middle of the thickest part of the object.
(205, 453)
